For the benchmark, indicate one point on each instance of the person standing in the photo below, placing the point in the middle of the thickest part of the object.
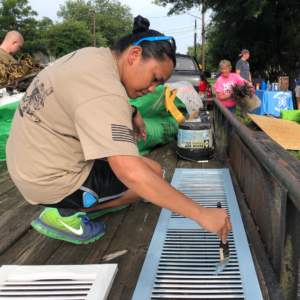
(224, 84)
(242, 68)
(11, 44)
(298, 93)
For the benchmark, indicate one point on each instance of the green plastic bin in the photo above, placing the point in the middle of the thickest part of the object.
(292, 115)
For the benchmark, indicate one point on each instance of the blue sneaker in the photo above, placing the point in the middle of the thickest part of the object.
(77, 229)
(100, 212)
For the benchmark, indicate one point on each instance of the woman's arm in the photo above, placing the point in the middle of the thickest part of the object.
(141, 179)
(222, 96)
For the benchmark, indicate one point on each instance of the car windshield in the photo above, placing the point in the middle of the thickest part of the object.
(183, 64)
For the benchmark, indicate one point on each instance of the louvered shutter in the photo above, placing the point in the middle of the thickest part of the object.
(182, 257)
(61, 282)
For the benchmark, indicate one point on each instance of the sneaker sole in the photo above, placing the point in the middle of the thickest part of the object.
(97, 213)
(58, 235)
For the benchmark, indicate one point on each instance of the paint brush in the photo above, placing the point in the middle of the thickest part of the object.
(224, 253)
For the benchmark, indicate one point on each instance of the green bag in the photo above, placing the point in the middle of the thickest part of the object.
(6, 116)
(160, 125)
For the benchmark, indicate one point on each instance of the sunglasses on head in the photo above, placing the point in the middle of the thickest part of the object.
(152, 39)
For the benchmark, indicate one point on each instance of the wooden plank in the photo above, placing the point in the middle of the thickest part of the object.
(6, 185)
(3, 167)
(15, 223)
(69, 253)
(286, 133)
(16, 215)
(188, 164)
(166, 157)
(32, 249)
(4, 175)
(12, 200)
(35, 248)
(53, 251)
(129, 248)
(217, 163)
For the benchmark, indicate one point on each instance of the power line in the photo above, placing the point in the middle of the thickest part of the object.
(184, 32)
(191, 28)
(184, 37)
(167, 30)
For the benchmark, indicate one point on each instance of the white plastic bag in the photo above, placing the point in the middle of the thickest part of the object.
(187, 94)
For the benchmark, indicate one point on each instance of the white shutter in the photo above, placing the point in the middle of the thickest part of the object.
(59, 282)
(182, 257)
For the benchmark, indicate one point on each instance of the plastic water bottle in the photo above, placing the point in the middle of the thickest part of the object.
(268, 85)
(263, 86)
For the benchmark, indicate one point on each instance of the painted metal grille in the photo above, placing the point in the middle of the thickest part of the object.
(186, 266)
(85, 282)
(182, 256)
(205, 189)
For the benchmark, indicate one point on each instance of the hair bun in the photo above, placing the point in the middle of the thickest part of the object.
(140, 24)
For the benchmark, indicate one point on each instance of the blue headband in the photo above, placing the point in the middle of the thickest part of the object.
(153, 38)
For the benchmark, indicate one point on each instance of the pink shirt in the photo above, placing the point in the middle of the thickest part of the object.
(223, 85)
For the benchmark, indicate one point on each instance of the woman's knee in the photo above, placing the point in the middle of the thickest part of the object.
(154, 165)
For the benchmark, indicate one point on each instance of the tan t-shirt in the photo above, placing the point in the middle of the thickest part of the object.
(6, 58)
(75, 111)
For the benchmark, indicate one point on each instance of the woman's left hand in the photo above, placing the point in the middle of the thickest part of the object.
(139, 127)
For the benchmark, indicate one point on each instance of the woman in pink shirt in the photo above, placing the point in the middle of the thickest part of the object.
(225, 82)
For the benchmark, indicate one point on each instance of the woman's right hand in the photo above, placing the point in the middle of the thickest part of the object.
(216, 220)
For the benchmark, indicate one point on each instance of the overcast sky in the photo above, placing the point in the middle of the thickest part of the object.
(180, 27)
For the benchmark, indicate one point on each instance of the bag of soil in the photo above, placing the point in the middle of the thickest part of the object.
(160, 124)
(245, 97)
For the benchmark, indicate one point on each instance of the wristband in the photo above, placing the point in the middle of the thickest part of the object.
(135, 111)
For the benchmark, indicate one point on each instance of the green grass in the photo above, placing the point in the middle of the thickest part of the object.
(211, 80)
(247, 121)
(295, 153)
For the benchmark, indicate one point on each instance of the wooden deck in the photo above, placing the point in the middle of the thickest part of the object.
(127, 238)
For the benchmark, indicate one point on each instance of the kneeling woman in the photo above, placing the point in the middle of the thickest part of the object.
(224, 84)
(72, 144)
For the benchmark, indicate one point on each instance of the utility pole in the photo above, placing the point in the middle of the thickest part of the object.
(195, 39)
(203, 40)
(94, 29)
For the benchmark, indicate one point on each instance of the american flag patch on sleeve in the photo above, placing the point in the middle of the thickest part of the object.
(121, 133)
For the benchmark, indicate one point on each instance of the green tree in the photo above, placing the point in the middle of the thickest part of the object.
(18, 15)
(66, 37)
(269, 29)
(209, 63)
(112, 19)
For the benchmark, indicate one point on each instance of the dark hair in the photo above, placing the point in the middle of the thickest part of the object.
(158, 50)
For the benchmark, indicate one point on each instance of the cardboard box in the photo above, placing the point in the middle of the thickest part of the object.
(283, 83)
